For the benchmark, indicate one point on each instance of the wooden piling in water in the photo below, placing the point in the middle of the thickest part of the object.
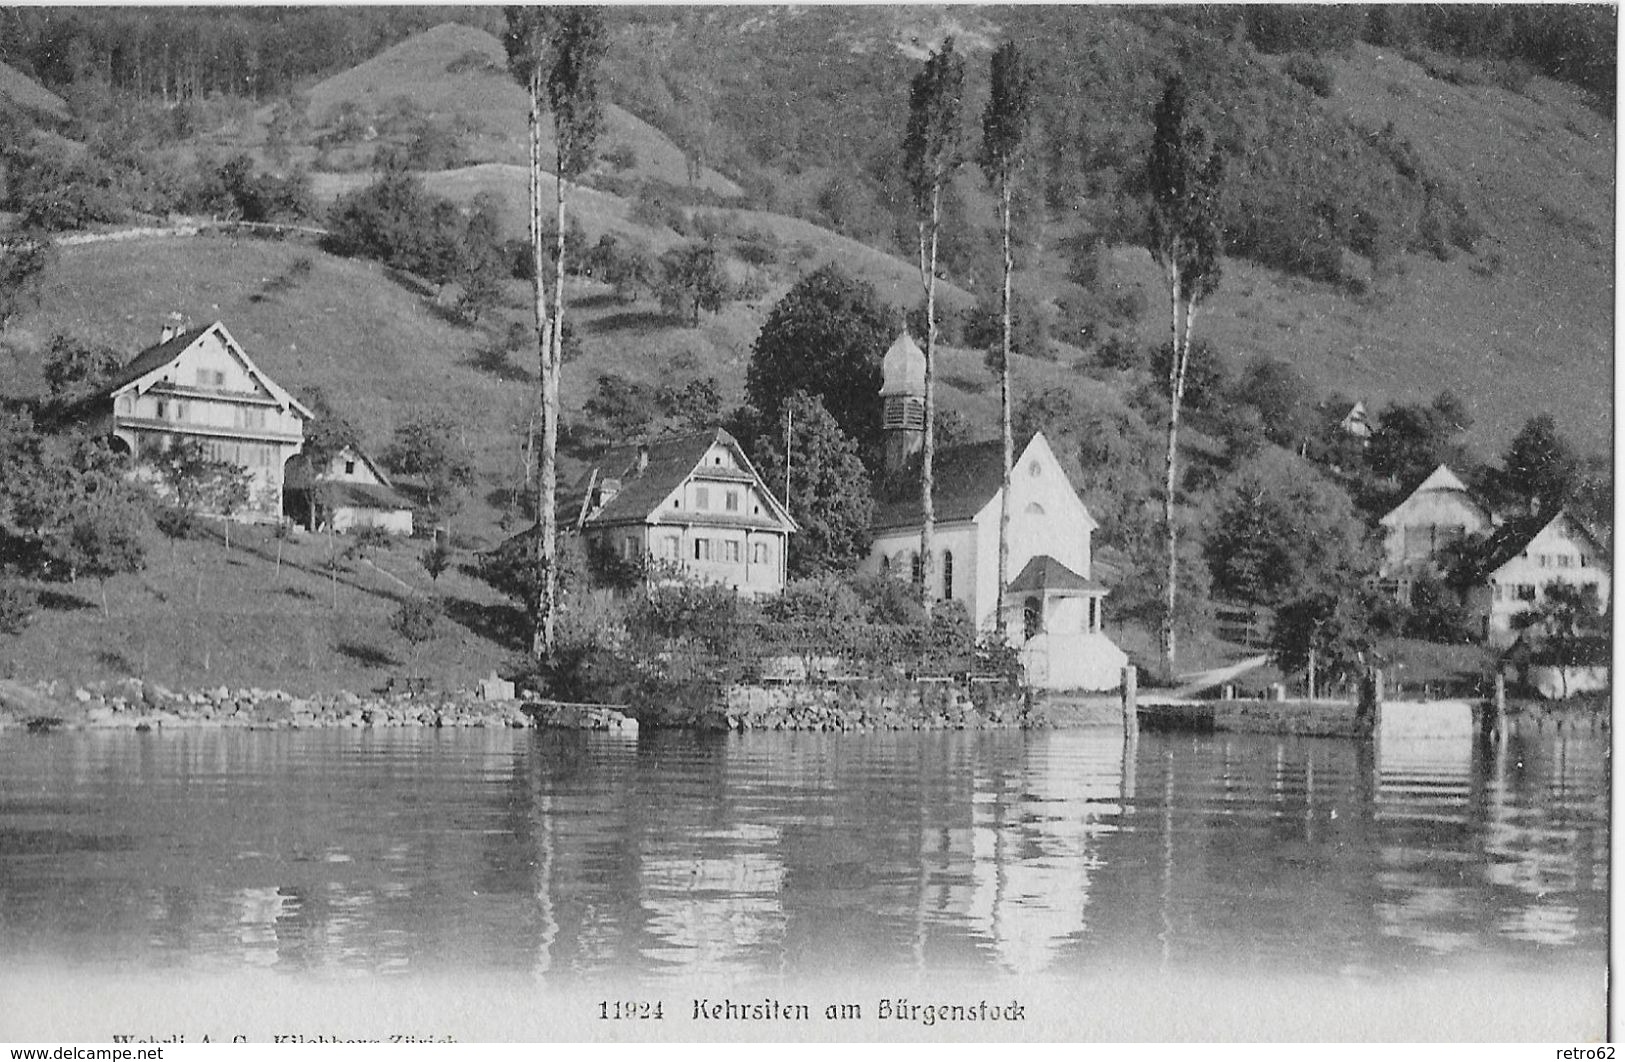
(1131, 710)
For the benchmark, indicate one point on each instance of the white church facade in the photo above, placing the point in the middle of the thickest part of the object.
(1053, 609)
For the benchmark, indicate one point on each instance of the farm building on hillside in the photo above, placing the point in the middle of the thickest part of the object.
(1420, 533)
(1053, 609)
(1521, 560)
(690, 502)
(200, 384)
(355, 494)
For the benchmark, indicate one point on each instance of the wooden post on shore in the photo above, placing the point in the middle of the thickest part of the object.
(1498, 710)
(1131, 710)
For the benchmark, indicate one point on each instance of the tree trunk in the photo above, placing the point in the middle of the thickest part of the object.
(541, 644)
(1006, 429)
(1170, 529)
(929, 449)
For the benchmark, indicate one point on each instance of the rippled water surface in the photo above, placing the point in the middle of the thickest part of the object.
(797, 854)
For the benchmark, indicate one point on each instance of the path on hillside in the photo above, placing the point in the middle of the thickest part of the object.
(1197, 681)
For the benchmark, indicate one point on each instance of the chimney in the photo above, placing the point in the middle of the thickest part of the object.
(174, 325)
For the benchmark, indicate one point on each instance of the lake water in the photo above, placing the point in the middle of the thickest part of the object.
(678, 859)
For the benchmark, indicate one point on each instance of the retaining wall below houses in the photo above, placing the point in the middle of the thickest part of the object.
(872, 705)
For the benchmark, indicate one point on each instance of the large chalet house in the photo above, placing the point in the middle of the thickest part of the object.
(1422, 534)
(1053, 609)
(1522, 560)
(200, 384)
(691, 503)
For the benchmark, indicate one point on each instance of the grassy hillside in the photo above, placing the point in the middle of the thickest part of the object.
(458, 75)
(19, 90)
(202, 616)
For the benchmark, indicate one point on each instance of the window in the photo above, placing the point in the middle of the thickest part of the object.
(1499, 593)
(1584, 560)
(1544, 560)
(730, 551)
(914, 568)
(1564, 560)
(758, 554)
(1035, 470)
(668, 547)
(885, 564)
(702, 497)
(1032, 616)
(349, 468)
(1034, 509)
(947, 574)
(163, 409)
(251, 418)
(629, 548)
(731, 502)
(1525, 591)
(702, 549)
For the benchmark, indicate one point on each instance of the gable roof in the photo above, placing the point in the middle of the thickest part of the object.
(1513, 537)
(156, 357)
(1440, 481)
(666, 463)
(372, 465)
(1044, 573)
(964, 478)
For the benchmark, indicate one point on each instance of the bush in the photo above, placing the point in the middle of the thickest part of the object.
(1314, 74)
(416, 619)
(17, 604)
(174, 521)
(888, 601)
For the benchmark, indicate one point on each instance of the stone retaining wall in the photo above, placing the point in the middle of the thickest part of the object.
(867, 706)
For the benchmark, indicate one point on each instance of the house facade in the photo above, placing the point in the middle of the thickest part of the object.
(1522, 560)
(1053, 609)
(200, 384)
(690, 504)
(358, 495)
(1421, 532)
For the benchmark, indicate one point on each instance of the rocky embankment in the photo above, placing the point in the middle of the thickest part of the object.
(136, 705)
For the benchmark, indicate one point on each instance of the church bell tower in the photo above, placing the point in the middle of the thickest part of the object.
(902, 395)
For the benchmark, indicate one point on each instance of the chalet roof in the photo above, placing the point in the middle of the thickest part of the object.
(1044, 574)
(1514, 536)
(1440, 480)
(155, 357)
(649, 472)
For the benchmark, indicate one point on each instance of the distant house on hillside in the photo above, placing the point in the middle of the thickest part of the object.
(693, 502)
(200, 384)
(357, 495)
(1356, 422)
(1054, 610)
(1517, 564)
(1420, 532)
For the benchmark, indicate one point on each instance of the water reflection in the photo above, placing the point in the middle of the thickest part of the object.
(677, 856)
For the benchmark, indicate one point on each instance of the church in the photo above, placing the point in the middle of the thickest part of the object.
(1053, 609)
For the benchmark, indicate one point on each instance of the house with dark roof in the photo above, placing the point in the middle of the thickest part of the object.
(1053, 608)
(1521, 560)
(1420, 533)
(355, 494)
(200, 384)
(692, 504)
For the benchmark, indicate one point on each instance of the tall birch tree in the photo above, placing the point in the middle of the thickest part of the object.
(931, 155)
(1185, 176)
(1004, 131)
(555, 54)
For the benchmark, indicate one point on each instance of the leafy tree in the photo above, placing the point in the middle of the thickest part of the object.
(75, 368)
(327, 434)
(1568, 626)
(1436, 611)
(1205, 375)
(619, 408)
(100, 536)
(692, 279)
(1540, 470)
(24, 258)
(931, 155)
(201, 484)
(1282, 530)
(1004, 130)
(1279, 393)
(555, 54)
(829, 489)
(416, 619)
(1185, 175)
(1408, 441)
(430, 446)
(696, 406)
(436, 559)
(17, 605)
(1331, 631)
(825, 338)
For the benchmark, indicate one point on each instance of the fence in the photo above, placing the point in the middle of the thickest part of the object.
(1245, 625)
